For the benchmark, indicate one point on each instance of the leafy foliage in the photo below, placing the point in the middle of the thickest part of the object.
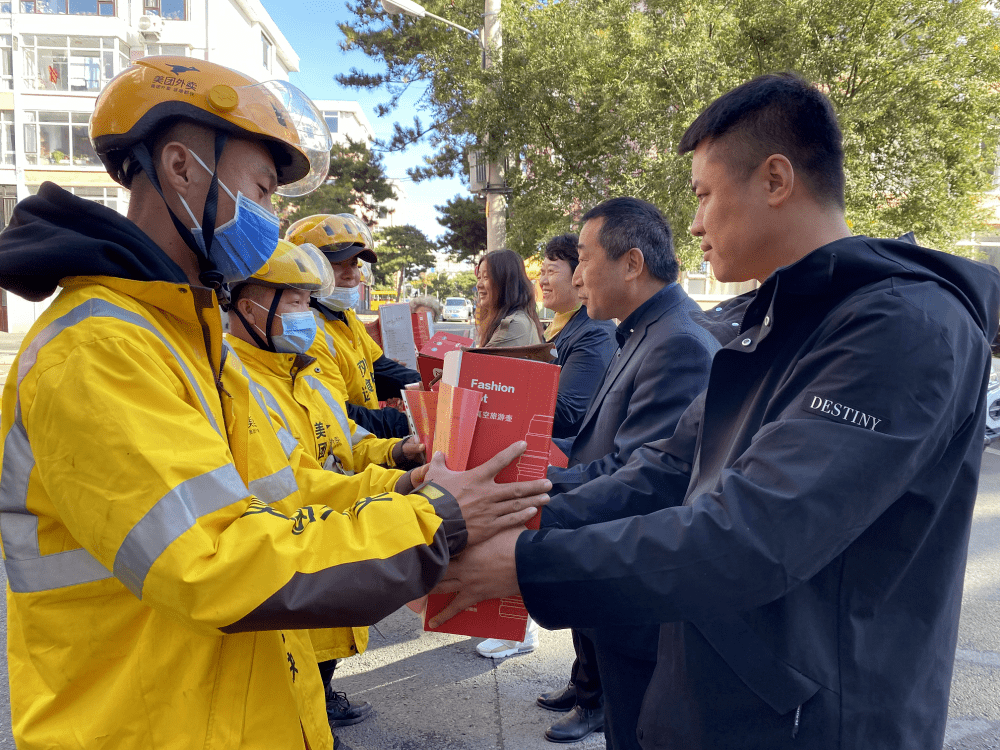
(463, 284)
(591, 98)
(403, 252)
(464, 219)
(357, 185)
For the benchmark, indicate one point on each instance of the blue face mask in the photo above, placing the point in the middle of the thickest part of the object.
(341, 298)
(242, 245)
(298, 330)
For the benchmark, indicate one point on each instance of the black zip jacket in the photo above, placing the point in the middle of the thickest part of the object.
(54, 234)
(808, 576)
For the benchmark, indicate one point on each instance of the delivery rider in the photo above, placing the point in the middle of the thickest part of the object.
(368, 374)
(271, 327)
(154, 525)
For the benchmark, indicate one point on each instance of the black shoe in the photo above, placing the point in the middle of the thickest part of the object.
(558, 700)
(342, 713)
(580, 723)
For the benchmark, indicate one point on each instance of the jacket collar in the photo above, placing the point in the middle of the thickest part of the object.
(278, 364)
(663, 302)
(641, 315)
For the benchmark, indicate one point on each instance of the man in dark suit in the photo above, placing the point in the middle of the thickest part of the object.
(627, 270)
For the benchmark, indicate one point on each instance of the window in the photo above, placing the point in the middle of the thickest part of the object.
(8, 199)
(110, 197)
(169, 10)
(74, 63)
(6, 136)
(266, 44)
(178, 50)
(6, 62)
(331, 121)
(73, 7)
(58, 138)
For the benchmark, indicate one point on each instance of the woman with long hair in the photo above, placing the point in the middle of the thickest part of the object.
(506, 302)
(507, 318)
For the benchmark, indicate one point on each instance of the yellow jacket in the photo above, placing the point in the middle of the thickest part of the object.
(349, 348)
(164, 545)
(310, 404)
(294, 387)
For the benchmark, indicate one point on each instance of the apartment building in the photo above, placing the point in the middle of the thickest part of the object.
(57, 55)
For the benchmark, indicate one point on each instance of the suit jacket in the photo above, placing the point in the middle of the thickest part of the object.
(585, 348)
(650, 382)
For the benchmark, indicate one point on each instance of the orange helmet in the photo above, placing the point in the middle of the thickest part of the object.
(339, 236)
(140, 99)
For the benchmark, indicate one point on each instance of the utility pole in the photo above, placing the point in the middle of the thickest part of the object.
(491, 41)
(496, 186)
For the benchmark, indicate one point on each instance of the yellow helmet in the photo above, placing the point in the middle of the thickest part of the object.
(154, 90)
(294, 266)
(339, 236)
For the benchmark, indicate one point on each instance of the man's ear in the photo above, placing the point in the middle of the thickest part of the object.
(176, 167)
(246, 308)
(634, 263)
(780, 176)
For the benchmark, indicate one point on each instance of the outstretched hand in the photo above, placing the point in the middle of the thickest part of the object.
(487, 507)
(481, 572)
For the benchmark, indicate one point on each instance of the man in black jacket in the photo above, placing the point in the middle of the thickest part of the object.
(805, 529)
(628, 271)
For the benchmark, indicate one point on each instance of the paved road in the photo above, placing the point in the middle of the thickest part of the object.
(974, 712)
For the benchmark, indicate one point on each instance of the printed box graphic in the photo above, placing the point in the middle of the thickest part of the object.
(430, 360)
(518, 401)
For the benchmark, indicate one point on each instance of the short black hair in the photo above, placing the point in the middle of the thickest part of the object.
(630, 222)
(777, 113)
(564, 247)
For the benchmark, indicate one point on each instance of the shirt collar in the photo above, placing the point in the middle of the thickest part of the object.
(627, 326)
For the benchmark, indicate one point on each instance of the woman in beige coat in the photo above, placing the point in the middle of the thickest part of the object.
(507, 302)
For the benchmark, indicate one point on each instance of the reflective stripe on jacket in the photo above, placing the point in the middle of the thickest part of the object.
(349, 348)
(151, 520)
(309, 403)
(291, 387)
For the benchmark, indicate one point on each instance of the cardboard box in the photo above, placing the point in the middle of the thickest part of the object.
(423, 328)
(430, 360)
(421, 412)
(519, 399)
(375, 331)
(457, 414)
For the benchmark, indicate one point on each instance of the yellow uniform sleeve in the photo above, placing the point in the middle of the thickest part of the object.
(210, 516)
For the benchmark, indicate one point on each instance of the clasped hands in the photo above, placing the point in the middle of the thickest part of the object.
(495, 515)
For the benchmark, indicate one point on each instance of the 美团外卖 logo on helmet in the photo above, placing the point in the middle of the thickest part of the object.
(178, 69)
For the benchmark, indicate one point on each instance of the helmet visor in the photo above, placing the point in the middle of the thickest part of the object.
(367, 275)
(322, 269)
(293, 109)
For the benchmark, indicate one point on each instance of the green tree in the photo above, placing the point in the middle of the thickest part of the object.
(403, 252)
(463, 284)
(357, 185)
(592, 96)
(464, 219)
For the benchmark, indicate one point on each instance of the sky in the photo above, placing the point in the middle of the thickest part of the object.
(310, 26)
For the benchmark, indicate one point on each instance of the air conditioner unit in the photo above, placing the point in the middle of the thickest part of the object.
(479, 175)
(150, 27)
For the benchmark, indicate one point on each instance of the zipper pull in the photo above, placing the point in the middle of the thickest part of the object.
(795, 727)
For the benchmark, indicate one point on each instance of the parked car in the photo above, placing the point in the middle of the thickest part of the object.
(993, 404)
(457, 308)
